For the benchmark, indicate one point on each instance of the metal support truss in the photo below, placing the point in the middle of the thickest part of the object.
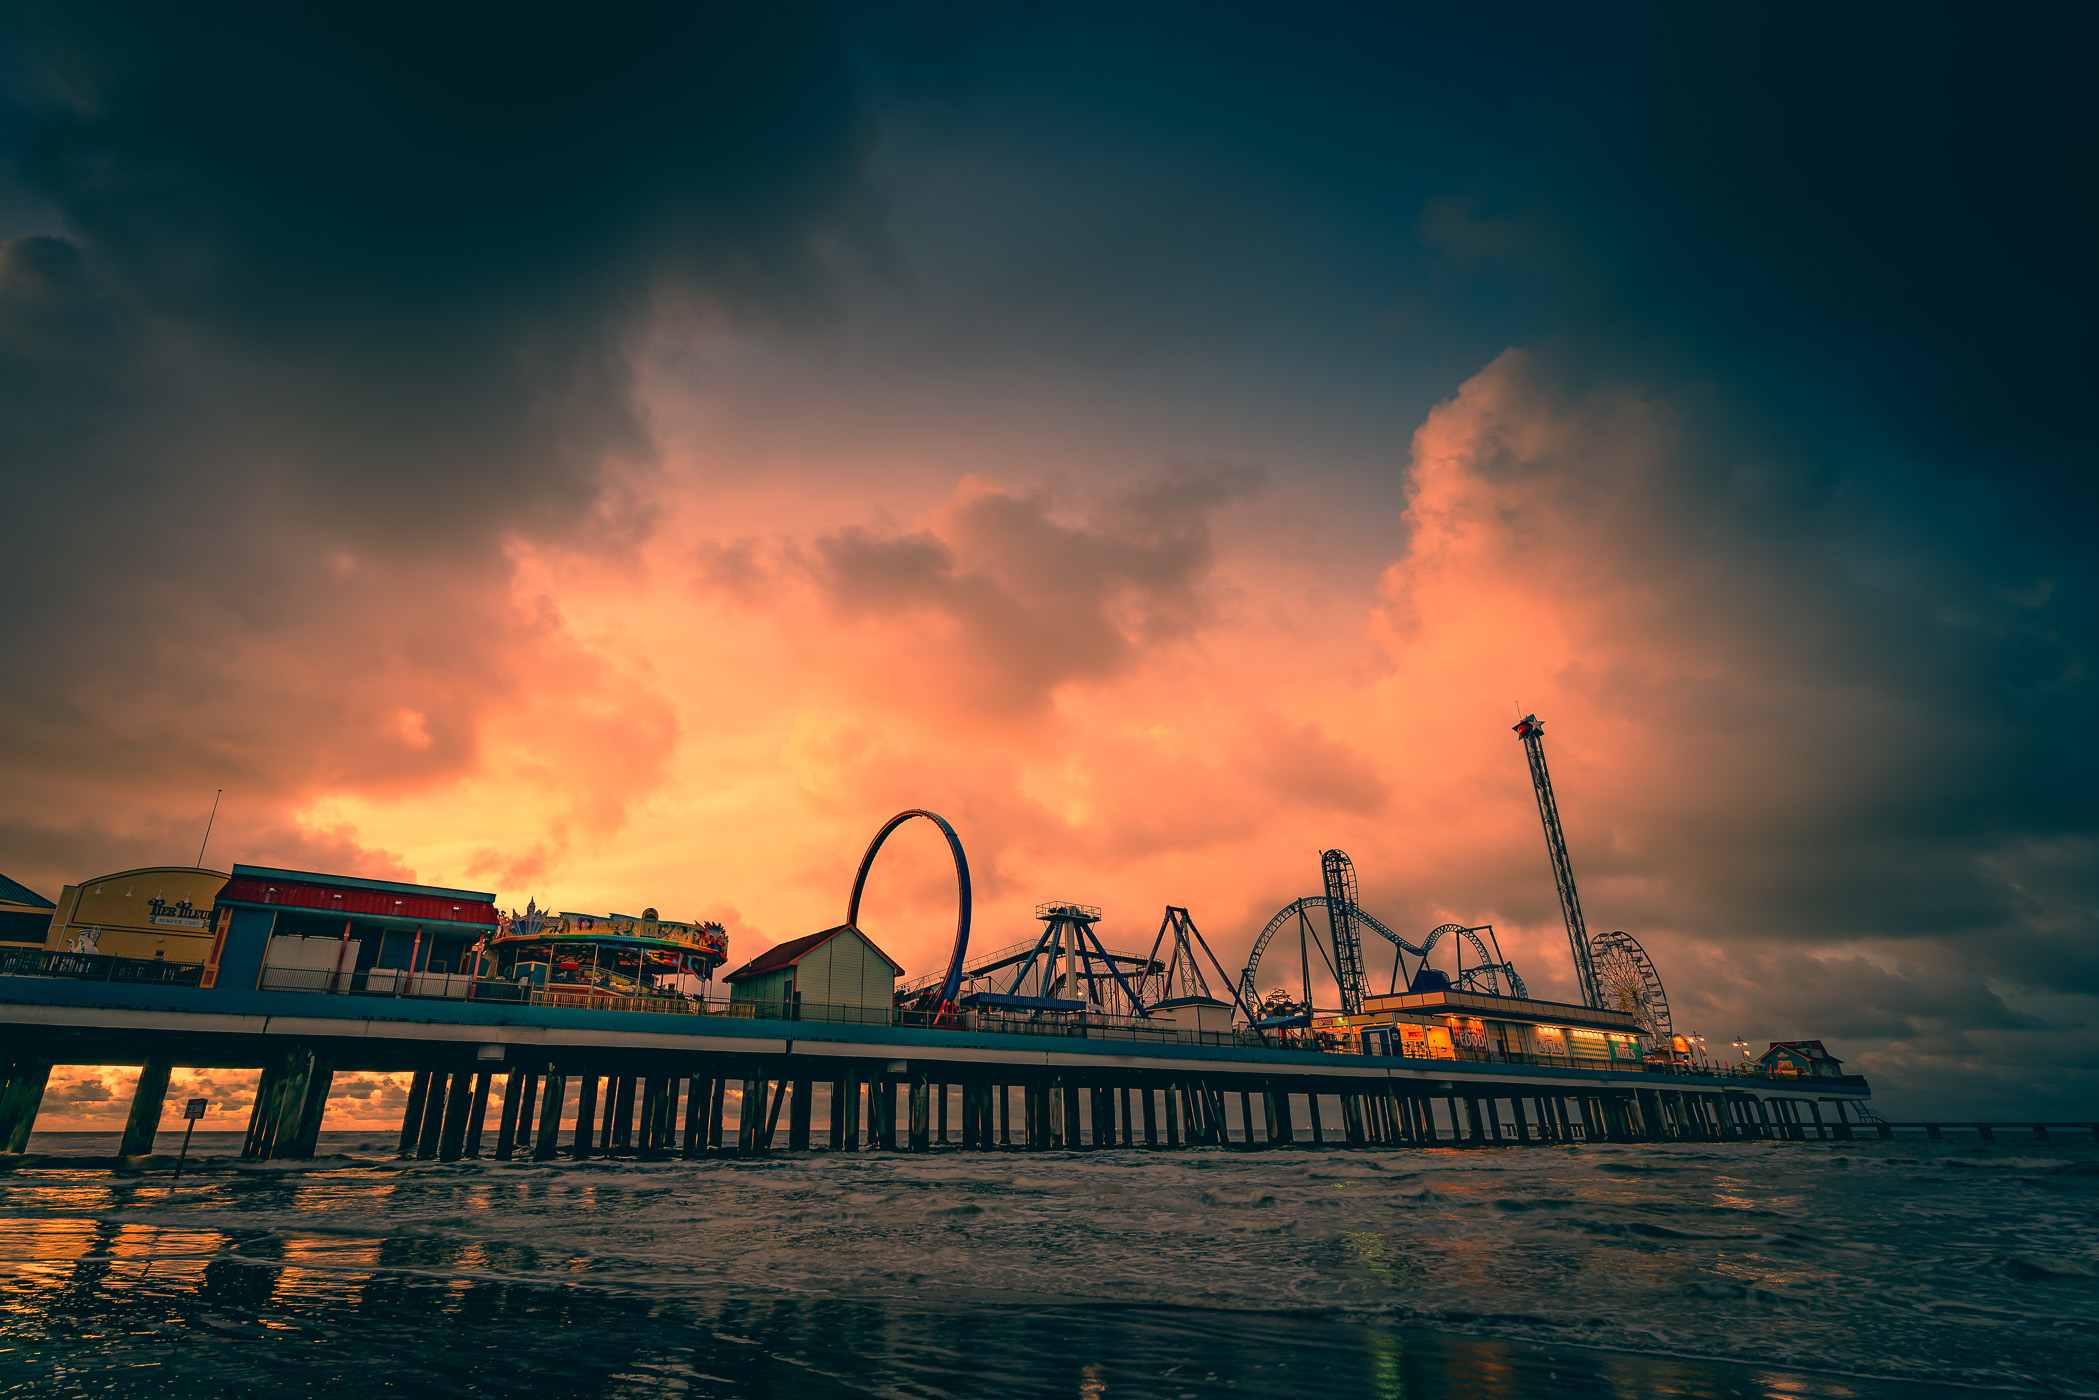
(1532, 733)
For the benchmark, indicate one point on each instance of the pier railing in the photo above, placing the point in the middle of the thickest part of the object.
(98, 967)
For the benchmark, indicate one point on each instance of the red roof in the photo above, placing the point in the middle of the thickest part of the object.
(795, 949)
(435, 906)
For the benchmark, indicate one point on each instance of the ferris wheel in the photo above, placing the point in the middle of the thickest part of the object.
(1629, 982)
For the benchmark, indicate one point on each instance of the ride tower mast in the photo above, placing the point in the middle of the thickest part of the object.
(1532, 732)
(1342, 913)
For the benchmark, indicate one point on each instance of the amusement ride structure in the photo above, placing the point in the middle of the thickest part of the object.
(1180, 977)
(1614, 971)
(1066, 971)
(1340, 948)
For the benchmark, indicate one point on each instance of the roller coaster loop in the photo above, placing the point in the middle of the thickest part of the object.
(951, 986)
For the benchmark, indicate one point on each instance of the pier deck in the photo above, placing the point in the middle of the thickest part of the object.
(1101, 1086)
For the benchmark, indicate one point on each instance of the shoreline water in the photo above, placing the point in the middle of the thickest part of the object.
(1709, 1269)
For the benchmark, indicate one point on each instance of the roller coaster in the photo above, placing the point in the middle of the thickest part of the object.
(1340, 949)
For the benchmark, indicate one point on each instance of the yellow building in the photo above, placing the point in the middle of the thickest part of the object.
(159, 912)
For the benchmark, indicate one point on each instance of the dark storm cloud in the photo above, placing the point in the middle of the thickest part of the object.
(415, 239)
(304, 310)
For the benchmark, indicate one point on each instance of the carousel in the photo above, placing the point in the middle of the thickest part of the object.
(604, 959)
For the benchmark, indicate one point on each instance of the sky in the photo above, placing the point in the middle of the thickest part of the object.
(619, 460)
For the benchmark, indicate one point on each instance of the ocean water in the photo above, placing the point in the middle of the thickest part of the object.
(1797, 1270)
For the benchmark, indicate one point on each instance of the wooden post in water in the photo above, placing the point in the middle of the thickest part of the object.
(451, 1143)
(433, 1115)
(852, 1112)
(798, 1117)
(528, 1094)
(506, 1127)
(142, 1124)
(749, 1111)
(477, 1113)
(921, 1114)
(19, 1104)
(698, 1091)
(553, 1090)
(604, 1129)
(411, 1116)
(586, 1117)
(621, 1092)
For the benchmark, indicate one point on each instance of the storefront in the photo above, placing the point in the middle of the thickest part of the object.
(1459, 1025)
(337, 933)
(157, 913)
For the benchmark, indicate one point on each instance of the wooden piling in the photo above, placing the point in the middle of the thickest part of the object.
(698, 1089)
(798, 1117)
(433, 1114)
(477, 1114)
(527, 1099)
(586, 1117)
(921, 1123)
(451, 1142)
(621, 1138)
(20, 1103)
(411, 1115)
(142, 1124)
(552, 1091)
(506, 1128)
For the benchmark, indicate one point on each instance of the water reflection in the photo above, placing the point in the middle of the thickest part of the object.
(286, 1316)
(1184, 1275)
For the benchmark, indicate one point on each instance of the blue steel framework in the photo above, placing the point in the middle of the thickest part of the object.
(1345, 919)
(1181, 975)
(1532, 732)
(953, 982)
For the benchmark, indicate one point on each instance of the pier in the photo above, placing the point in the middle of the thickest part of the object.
(574, 1036)
(499, 1079)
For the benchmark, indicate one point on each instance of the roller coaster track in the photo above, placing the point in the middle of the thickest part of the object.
(1306, 905)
